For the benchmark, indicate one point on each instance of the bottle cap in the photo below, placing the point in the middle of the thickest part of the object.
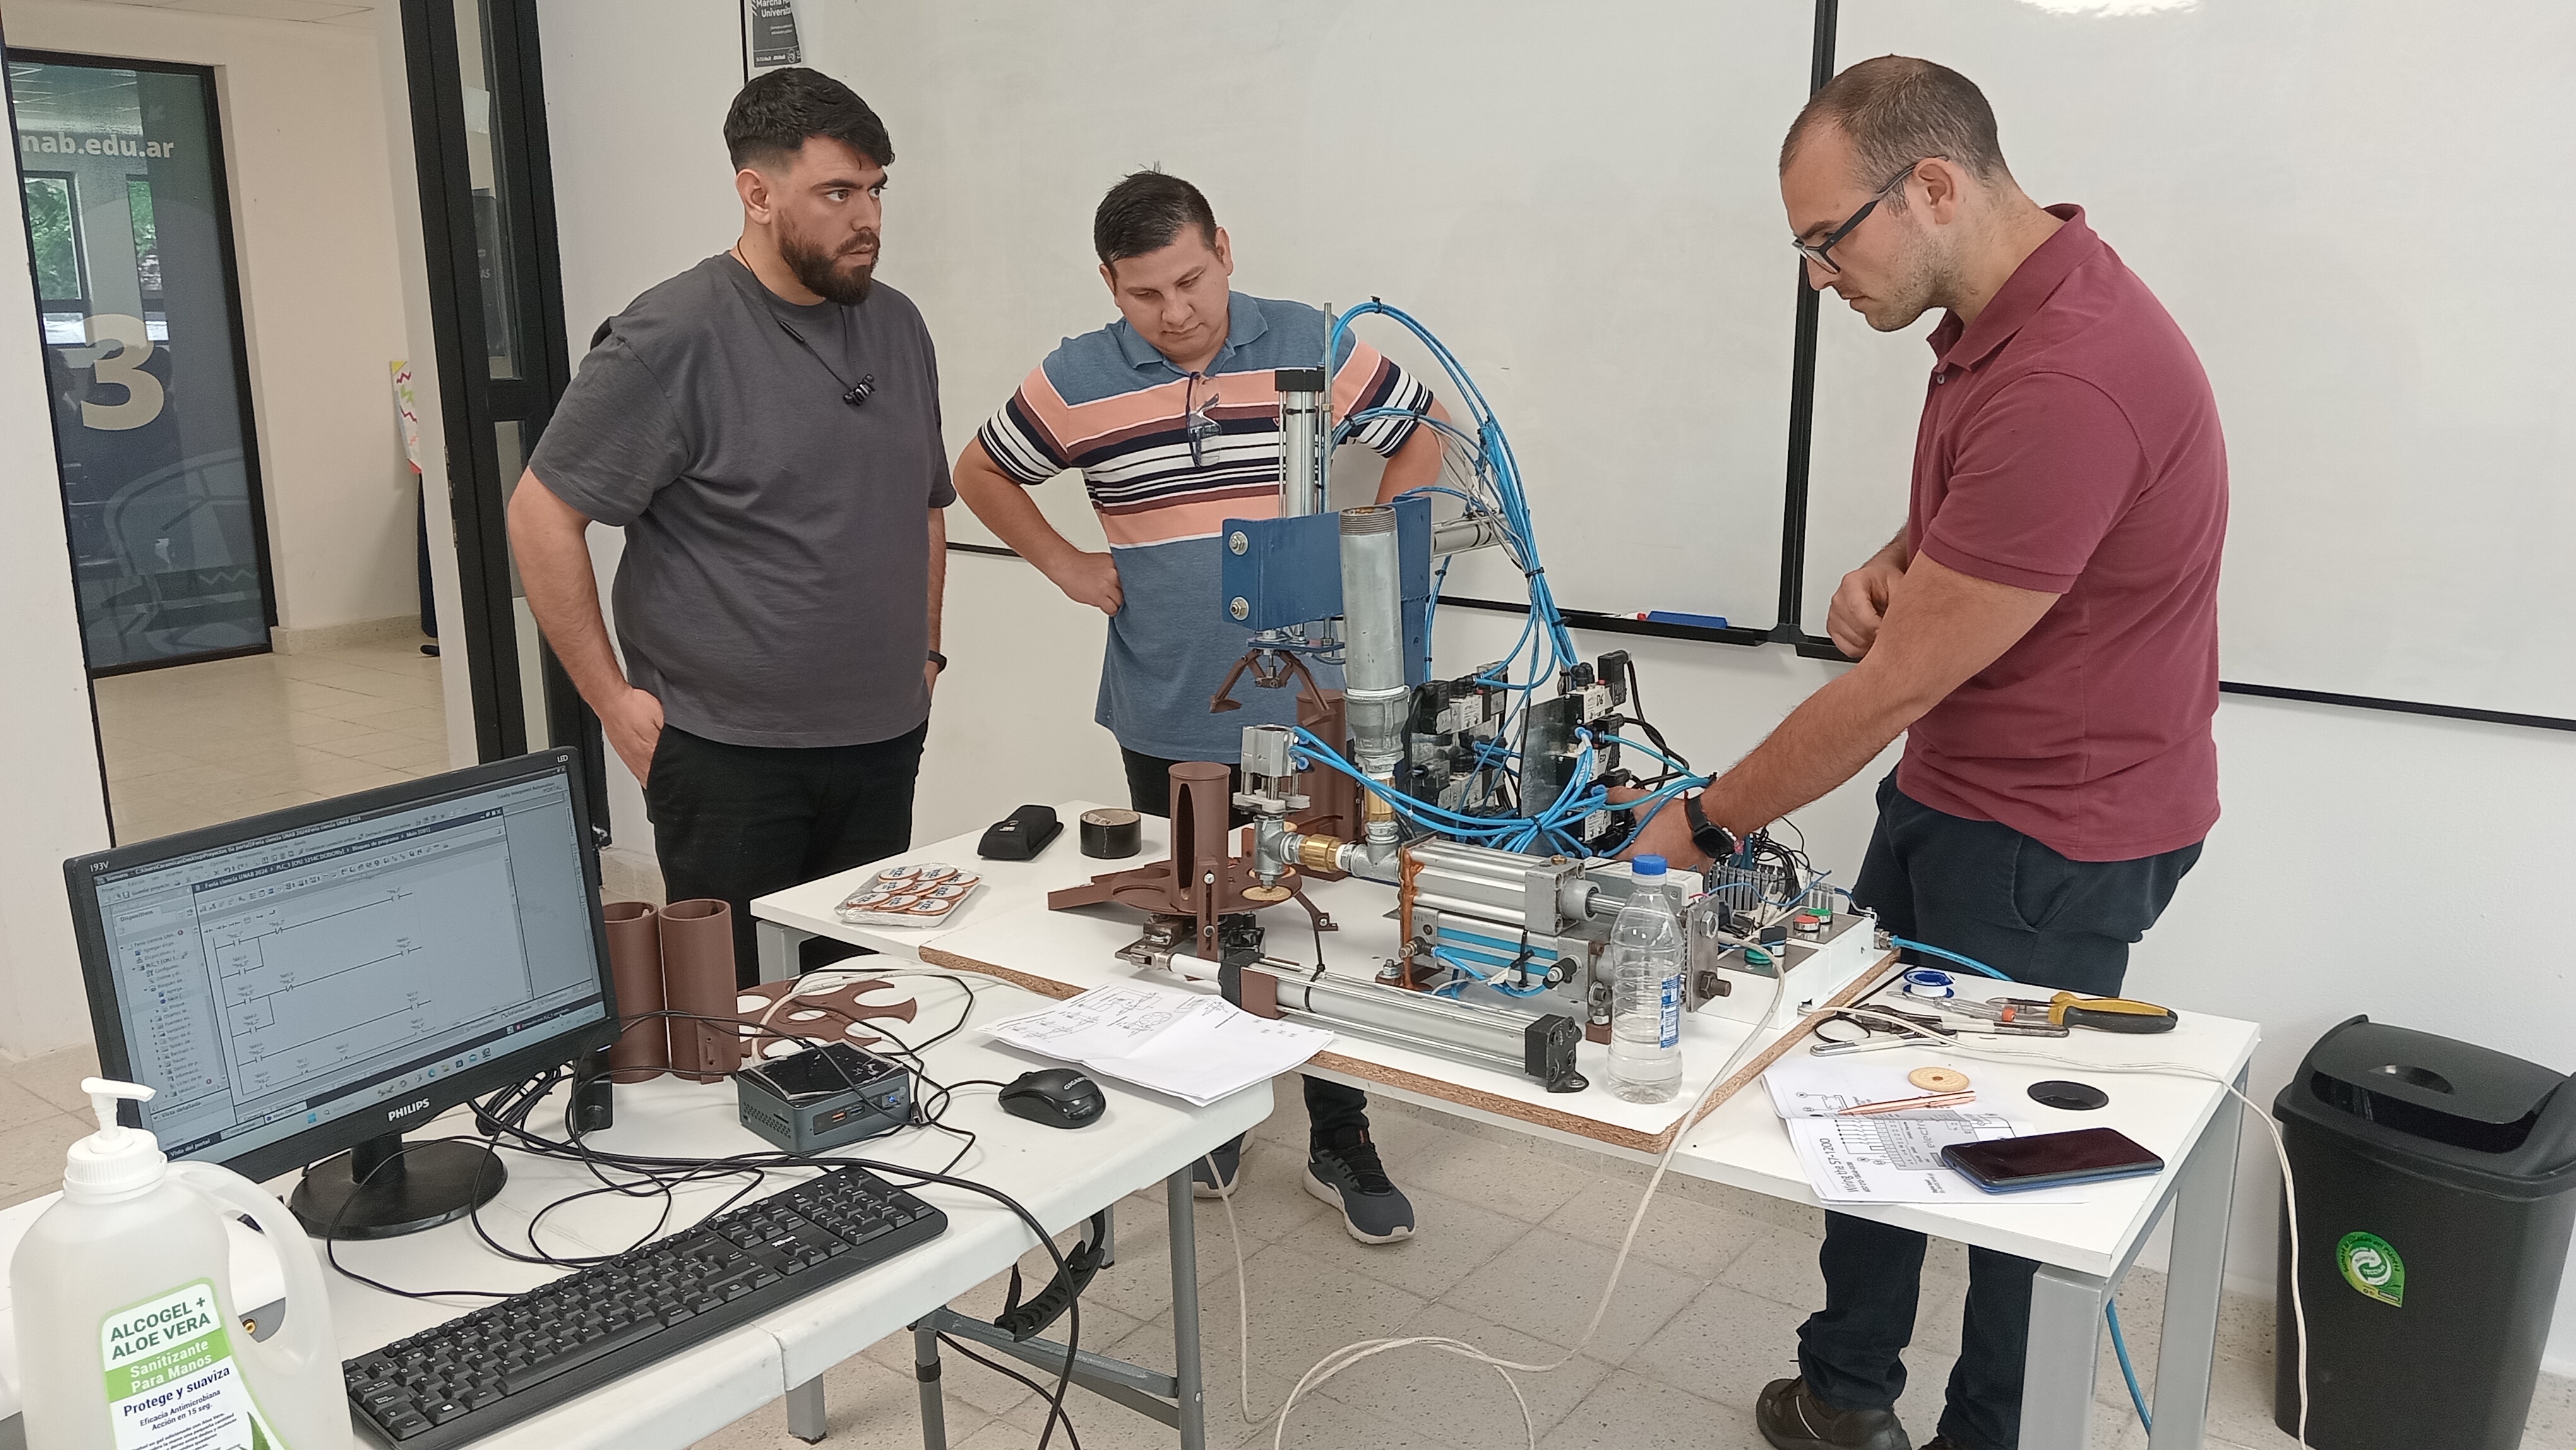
(116, 1161)
(1647, 866)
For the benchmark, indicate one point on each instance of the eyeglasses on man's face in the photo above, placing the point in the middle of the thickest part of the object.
(1820, 252)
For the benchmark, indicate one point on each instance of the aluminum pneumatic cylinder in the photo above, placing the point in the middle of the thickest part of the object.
(1374, 690)
(1542, 1047)
(1301, 441)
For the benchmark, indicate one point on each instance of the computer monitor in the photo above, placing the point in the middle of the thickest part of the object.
(314, 981)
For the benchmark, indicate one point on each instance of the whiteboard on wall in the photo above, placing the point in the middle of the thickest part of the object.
(2353, 211)
(1582, 207)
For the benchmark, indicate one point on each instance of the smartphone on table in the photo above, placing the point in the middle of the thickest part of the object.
(2086, 1155)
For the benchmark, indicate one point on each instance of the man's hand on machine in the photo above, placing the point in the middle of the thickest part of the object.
(633, 725)
(1088, 579)
(1667, 834)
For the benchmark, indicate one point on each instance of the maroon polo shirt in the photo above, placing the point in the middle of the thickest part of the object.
(2070, 444)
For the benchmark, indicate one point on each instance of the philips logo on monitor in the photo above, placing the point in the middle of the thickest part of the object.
(407, 1109)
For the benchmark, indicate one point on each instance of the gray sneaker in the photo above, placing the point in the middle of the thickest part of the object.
(1229, 1172)
(1349, 1177)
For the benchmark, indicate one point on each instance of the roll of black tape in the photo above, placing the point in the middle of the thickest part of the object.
(1110, 833)
(2074, 1097)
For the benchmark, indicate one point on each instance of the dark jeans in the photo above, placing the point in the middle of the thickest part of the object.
(1330, 1107)
(1986, 891)
(737, 821)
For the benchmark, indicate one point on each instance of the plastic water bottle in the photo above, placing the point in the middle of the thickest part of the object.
(1646, 1001)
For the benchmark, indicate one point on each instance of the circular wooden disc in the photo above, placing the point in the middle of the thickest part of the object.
(1266, 893)
(1938, 1079)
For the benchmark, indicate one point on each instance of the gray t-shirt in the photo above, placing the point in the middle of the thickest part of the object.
(775, 589)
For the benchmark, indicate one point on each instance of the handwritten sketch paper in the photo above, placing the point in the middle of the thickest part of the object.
(1888, 1157)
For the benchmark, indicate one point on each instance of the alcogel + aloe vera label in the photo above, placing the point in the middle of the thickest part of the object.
(172, 1383)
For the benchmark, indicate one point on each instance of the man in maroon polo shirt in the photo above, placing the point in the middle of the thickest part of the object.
(2044, 632)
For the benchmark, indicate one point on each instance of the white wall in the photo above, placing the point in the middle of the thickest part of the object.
(52, 802)
(2373, 863)
(306, 146)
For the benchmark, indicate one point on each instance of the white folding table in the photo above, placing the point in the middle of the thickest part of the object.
(2083, 1248)
(1062, 1177)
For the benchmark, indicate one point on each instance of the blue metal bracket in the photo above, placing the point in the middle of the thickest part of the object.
(1285, 573)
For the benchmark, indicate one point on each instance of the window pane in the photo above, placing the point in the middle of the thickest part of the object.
(125, 220)
(491, 211)
(49, 231)
(147, 246)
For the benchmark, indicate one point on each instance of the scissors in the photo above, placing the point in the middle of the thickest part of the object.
(1876, 1033)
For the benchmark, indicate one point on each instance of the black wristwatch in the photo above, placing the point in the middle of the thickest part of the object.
(1714, 841)
(940, 660)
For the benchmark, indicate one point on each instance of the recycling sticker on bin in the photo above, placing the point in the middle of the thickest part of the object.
(2372, 1266)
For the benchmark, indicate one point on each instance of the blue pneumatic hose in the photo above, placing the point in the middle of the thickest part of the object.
(2120, 1347)
(1970, 963)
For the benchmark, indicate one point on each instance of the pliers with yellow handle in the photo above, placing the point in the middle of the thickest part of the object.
(2102, 1014)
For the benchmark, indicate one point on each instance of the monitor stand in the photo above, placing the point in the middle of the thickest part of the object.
(383, 1188)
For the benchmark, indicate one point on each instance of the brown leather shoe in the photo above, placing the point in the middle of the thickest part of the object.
(1792, 1418)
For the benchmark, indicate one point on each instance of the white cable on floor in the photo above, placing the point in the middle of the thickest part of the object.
(1242, 1291)
(1351, 1354)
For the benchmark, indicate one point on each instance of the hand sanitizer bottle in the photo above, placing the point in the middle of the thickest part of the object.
(128, 1334)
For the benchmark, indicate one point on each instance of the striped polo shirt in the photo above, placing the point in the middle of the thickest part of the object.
(1108, 405)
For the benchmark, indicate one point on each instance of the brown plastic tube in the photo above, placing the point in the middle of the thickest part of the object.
(642, 1051)
(697, 978)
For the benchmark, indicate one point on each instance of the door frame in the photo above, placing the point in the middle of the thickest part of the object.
(474, 401)
(227, 246)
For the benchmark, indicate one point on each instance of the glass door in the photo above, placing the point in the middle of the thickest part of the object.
(130, 224)
(497, 301)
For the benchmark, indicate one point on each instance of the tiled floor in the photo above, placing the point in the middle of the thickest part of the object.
(196, 744)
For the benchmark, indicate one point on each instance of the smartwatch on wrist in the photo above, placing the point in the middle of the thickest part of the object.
(940, 660)
(1714, 841)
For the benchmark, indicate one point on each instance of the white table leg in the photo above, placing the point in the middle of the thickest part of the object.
(2204, 1194)
(2057, 1373)
(778, 946)
(1189, 1395)
(925, 1368)
(805, 1411)
(1109, 1236)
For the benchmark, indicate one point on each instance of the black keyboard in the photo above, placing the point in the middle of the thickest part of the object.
(501, 1364)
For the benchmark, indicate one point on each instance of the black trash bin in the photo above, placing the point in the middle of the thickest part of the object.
(2437, 1188)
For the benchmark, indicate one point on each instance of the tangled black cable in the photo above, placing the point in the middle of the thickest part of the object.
(504, 1114)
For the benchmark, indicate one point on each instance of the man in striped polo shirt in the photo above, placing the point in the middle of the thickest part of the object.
(1171, 416)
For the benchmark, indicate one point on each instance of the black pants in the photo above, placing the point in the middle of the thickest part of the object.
(1986, 891)
(1330, 1107)
(737, 821)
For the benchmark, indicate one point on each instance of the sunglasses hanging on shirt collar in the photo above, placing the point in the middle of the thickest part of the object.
(855, 394)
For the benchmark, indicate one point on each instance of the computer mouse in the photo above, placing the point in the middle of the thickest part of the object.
(1057, 1096)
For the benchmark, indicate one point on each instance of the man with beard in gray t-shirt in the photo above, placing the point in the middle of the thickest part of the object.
(765, 427)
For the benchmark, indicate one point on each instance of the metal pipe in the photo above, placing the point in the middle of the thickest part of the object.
(1460, 1029)
(1375, 697)
(1458, 898)
(1510, 867)
(1459, 535)
(1301, 440)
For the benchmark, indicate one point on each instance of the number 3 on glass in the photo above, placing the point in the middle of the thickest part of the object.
(123, 367)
